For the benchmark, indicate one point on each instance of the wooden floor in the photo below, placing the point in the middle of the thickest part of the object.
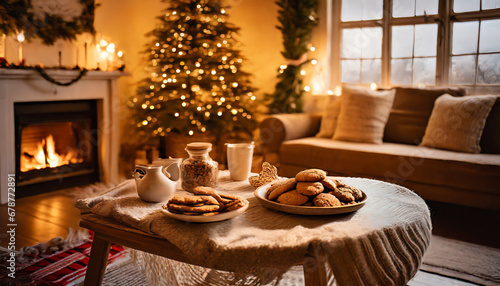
(42, 217)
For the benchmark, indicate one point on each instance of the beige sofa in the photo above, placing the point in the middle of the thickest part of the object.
(438, 175)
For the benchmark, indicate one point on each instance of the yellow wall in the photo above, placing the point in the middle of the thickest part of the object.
(125, 22)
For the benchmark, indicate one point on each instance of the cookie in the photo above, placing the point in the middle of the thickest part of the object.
(326, 200)
(329, 183)
(343, 194)
(208, 192)
(293, 198)
(268, 174)
(357, 194)
(236, 205)
(310, 188)
(310, 175)
(187, 208)
(193, 200)
(281, 187)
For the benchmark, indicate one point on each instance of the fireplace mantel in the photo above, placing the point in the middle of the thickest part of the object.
(28, 86)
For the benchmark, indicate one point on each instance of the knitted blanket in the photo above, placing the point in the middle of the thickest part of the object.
(380, 244)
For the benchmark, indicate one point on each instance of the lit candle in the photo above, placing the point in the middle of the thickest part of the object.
(20, 38)
(85, 63)
(373, 86)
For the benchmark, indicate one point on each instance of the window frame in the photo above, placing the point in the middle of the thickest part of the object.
(444, 19)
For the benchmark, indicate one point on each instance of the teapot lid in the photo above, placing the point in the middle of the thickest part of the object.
(199, 146)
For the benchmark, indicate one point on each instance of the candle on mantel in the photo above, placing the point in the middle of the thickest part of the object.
(20, 38)
(85, 63)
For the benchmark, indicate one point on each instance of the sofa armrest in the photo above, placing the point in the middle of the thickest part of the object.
(282, 127)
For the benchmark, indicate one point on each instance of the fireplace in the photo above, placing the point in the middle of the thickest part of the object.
(57, 136)
(56, 145)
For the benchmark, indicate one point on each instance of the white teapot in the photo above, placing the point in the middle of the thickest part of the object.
(154, 183)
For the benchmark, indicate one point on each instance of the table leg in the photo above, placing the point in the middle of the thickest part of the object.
(98, 261)
(314, 272)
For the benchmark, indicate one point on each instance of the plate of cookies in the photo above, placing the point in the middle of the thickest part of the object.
(205, 205)
(311, 192)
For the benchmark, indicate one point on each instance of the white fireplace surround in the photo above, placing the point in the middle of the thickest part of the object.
(29, 86)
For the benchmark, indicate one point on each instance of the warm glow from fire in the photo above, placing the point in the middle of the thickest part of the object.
(45, 156)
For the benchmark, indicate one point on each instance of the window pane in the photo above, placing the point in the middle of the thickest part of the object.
(402, 41)
(424, 71)
(371, 43)
(351, 10)
(370, 71)
(463, 70)
(426, 7)
(401, 72)
(425, 40)
(403, 8)
(372, 9)
(465, 37)
(351, 43)
(491, 4)
(488, 69)
(350, 71)
(489, 39)
(465, 5)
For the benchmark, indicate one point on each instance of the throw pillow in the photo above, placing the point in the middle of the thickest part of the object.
(411, 111)
(363, 114)
(329, 118)
(490, 141)
(457, 123)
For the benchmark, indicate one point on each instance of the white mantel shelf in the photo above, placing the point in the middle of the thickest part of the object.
(6, 73)
(25, 85)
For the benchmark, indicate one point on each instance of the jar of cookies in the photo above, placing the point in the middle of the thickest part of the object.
(199, 169)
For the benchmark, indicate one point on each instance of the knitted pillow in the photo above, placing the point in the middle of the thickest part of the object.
(329, 118)
(363, 114)
(457, 123)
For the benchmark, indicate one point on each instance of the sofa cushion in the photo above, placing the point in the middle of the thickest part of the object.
(396, 162)
(329, 118)
(490, 141)
(363, 114)
(457, 123)
(411, 111)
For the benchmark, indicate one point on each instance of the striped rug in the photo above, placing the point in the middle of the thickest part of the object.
(68, 267)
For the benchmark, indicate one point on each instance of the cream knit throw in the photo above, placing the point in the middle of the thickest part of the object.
(380, 244)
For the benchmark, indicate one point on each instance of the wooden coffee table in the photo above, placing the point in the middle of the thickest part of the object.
(113, 232)
(381, 243)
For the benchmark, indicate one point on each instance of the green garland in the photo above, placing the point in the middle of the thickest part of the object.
(297, 19)
(15, 15)
(47, 77)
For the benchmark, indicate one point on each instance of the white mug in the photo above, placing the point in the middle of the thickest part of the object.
(239, 160)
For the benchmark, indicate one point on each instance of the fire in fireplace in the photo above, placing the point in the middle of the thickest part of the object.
(56, 145)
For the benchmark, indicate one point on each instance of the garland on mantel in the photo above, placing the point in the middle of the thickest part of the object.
(47, 77)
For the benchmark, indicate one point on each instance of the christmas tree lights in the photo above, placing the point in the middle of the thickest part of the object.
(195, 83)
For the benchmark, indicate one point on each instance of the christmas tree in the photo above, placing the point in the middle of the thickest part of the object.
(196, 84)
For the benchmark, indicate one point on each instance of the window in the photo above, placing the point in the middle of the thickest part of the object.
(418, 42)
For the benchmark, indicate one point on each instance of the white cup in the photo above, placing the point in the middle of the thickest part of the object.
(239, 160)
(173, 170)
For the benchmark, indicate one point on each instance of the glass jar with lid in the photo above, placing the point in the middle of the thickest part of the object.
(199, 169)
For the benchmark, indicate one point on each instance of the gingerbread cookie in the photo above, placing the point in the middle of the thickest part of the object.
(277, 189)
(326, 200)
(310, 188)
(310, 175)
(193, 200)
(293, 198)
(268, 174)
(187, 208)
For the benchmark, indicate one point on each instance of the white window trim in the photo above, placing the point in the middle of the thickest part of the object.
(444, 19)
